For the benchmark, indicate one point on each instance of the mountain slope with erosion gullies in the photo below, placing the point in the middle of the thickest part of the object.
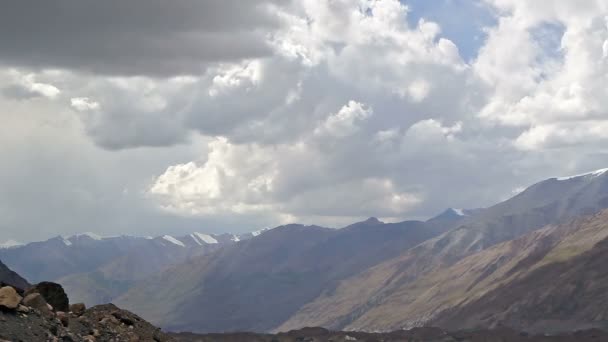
(560, 286)
(381, 297)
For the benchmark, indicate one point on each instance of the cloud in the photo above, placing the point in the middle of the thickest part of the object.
(232, 179)
(236, 179)
(312, 69)
(564, 134)
(431, 130)
(552, 94)
(239, 114)
(24, 86)
(83, 104)
(344, 122)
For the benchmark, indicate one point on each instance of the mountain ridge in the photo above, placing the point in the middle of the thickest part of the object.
(286, 267)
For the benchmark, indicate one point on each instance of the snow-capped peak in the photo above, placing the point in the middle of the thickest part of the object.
(595, 173)
(201, 238)
(235, 238)
(87, 234)
(459, 212)
(10, 244)
(173, 240)
(258, 232)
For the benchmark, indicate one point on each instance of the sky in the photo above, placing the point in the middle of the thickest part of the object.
(150, 117)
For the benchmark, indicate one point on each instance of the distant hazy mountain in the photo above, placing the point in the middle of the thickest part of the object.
(95, 270)
(256, 284)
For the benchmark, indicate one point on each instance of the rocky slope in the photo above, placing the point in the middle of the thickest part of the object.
(284, 268)
(32, 318)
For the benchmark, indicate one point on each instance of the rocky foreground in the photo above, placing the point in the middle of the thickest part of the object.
(413, 335)
(43, 313)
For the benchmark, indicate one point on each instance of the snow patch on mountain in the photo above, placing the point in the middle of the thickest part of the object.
(235, 238)
(173, 240)
(10, 244)
(595, 173)
(257, 232)
(87, 234)
(459, 212)
(201, 238)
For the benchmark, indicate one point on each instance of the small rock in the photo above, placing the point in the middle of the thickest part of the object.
(23, 309)
(63, 318)
(123, 318)
(36, 301)
(9, 298)
(68, 338)
(78, 309)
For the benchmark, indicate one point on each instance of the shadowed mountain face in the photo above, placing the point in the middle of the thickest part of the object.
(8, 277)
(256, 284)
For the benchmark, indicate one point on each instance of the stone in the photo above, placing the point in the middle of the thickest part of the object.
(78, 309)
(9, 298)
(123, 318)
(63, 318)
(23, 309)
(37, 302)
(53, 293)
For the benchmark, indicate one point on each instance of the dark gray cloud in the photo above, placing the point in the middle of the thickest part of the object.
(138, 37)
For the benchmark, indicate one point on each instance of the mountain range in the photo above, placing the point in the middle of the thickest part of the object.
(533, 262)
(94, 270)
